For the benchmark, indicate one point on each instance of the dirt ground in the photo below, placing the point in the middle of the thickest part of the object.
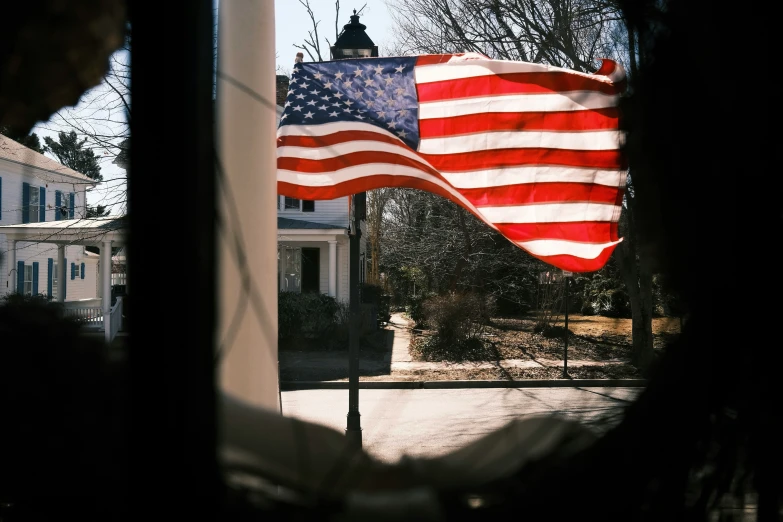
(591, 338)
(602, 344)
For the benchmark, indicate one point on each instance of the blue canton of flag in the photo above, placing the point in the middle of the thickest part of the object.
(381, 92)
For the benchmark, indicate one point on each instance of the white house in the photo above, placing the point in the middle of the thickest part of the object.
(313, 244)
(33, 189)
(43, 234)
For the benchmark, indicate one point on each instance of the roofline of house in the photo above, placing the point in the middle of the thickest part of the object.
(312, 231)
(85, 180)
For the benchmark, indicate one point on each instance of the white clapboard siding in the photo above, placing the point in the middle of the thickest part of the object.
(13, 175)
(329, 212)
(29, 253)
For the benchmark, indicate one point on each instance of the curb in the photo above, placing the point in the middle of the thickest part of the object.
(416, 385)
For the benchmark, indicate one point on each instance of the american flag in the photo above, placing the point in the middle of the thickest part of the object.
(531, 150)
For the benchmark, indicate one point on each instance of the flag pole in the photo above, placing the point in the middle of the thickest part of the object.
(353, 42)
(566, 278)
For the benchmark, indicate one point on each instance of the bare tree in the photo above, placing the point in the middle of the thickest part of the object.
(571, 34)
(376, 205)
(102, 119)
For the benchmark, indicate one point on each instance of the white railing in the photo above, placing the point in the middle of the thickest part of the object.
(115, 318)
(90, 316)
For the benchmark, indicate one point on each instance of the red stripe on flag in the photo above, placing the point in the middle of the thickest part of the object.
(364, 184)
(489, 159)
(578, 264)
(512, 83)
(351, 159)
(587, 231)
(540, 193)
(335, 138)
(599, 119)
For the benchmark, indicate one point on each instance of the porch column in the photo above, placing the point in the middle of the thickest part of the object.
(333, 268)
(106, 288)
(246, 137)
(60, 273)
(12, 275)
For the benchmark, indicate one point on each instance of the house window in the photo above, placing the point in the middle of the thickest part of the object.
(76, 273)
(298, 204)
(65, 206)
(28, 279)
(35, 204)
(54, 281)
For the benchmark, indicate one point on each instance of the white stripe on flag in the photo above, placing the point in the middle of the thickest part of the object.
(555, 247)
(456, 70)
(534, 174)
(569, 101)
(339, 149)
(587, 140)
(550, 212)
(327, 179)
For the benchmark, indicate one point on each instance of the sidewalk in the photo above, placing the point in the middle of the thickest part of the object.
(393, 366)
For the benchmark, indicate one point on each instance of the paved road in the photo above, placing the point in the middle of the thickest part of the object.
(431, 422)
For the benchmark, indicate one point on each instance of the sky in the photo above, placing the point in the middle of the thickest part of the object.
(292, 24)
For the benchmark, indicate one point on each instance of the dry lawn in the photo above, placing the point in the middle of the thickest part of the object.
(591, 338)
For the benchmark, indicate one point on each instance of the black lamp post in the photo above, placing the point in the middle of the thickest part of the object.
(353, 42)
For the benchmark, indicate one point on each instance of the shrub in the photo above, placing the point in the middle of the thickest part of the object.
(587, 309)
(619, 304)
(371, 294)
(306, 315)
(458, 321)
(415, 308)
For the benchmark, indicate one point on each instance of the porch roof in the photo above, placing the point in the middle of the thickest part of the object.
(82, 231)
(292, 224)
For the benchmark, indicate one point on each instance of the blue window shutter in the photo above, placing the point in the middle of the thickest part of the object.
(72, 198)
(73, 271)
(82, 270)
(42, 201)
(65, 279)
(58, 201)
(49, 268)
(1, 199)
(25, 202)
(20, 277)
(35, 277)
